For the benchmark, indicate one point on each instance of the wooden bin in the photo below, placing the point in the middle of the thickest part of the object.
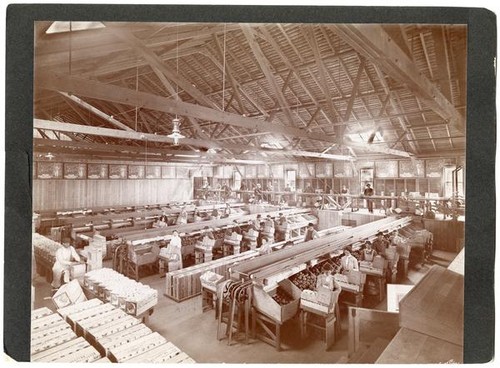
(265, 304)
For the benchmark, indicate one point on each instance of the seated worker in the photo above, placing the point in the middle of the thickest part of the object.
(368, 253)
(380, 244)
(215, 214)
(265, 248)
(197, 216)
(348, 261)
(64, 257)
(207, 232)
(173, 252)
(164, 218)
(182, 219)
(311, 233)
(236, 227)
(159, 224)
(227, 211)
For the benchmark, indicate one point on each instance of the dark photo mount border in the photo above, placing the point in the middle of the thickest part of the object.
(480, 156)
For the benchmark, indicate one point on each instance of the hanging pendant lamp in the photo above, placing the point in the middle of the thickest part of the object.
(176, 132)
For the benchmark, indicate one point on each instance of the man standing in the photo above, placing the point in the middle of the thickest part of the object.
(368, 193)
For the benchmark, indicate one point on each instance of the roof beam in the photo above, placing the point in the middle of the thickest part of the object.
(228, 72)
(266, 69)
(83, 87)
(311, 37)
(85, 147)
(115, 133)
(372, 148)
(443, 66)
(120, 134)
(355, 88)
(373, 42)
(155, 61)
(96, 111)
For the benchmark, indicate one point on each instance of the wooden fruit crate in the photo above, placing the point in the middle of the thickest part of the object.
(136, 347)
(263, 301)
(160, 354)
(80, 307)
(53, 353)
(122, 337)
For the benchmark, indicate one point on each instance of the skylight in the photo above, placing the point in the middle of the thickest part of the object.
(60, 27)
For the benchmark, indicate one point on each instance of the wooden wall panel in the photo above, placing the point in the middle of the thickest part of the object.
(69, 194)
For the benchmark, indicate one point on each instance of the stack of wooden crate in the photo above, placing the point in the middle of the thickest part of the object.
(118, 336)
(129, 295)
(53, 340)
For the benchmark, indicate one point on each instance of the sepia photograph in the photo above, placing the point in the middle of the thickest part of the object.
(248, 192)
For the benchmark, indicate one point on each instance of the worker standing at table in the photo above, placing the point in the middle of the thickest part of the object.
(258, 193)
(325, 279)
(173, 252)
(61, 267)
(227, 191)
(349, 262)
(380, 244)
(270, 195)
(311, 233)
(368, 192)
(368, 253)
(343, 198)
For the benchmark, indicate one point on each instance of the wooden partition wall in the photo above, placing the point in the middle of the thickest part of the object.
(67, 194)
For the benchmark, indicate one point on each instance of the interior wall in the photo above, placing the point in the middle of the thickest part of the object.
(70, 194)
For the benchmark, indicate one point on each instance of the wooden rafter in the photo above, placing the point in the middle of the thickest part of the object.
(96, 111)
(372, 42)
(136, 98)
(266, 69)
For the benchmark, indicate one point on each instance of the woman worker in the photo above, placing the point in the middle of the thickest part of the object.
(61, 267)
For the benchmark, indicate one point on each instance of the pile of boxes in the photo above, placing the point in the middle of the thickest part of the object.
(129, 295)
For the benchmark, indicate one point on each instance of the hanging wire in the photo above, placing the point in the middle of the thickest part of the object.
(136, 90)
(70, 47)
(177, 63)
(146, 160)
(224, 69)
